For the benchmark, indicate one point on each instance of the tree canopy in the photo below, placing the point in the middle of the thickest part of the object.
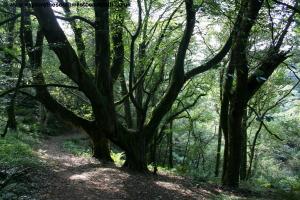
(201, 86)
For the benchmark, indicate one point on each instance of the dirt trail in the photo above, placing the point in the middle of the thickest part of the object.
(69, 177)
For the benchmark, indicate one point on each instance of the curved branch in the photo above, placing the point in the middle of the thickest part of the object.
(76, 17)
(270, 132)
(10, 19)
(36, 85)
(132, 57)
(212, 62)
(70, 63)
(178, 78)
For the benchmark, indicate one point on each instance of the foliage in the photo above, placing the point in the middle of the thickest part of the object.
(80, 147)
(16, 152)
(187, 135)
(77, 147)
(118, 158)
(17, 159)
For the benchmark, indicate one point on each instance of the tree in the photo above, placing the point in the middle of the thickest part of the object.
(236, 97)
(99, 90)
(8, 62)
(129, 77)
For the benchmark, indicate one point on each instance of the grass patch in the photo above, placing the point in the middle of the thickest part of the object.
(14, 152)
(17, 160)
(78, 147)
(81, 147)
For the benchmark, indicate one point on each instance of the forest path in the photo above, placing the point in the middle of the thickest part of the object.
(70, 177)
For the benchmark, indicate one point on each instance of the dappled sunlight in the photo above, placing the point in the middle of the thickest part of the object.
(174, 187)
(90, 179)
(83, 176)
(149, 99)
(52, 152)
(65, 159)
(167, 185)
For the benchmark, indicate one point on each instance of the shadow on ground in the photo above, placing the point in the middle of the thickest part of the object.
(96, 181)
(67, 177)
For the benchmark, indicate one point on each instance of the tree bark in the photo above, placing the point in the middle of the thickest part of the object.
(243, 167)
(77, 34)
(136, 154)
(170, 141)
(252, 150)
(101, 149)
(100, 143)
(126, 104)
(218, 157)
(238, 100)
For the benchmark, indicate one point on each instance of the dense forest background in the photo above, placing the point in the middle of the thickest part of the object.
(203, 89)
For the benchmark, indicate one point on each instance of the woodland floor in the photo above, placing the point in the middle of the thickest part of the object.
(69, 177)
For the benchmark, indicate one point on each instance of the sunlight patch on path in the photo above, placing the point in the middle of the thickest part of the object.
(74, 177)
(84, 176)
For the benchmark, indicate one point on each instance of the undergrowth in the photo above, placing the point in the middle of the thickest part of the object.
(81, 147)
(78, 147)
(16, 151)
(17, 161)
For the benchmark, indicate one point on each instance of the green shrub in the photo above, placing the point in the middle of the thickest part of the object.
(118, 158)
(75, 147)
(14, 152)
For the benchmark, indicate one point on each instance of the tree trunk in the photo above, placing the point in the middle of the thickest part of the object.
(136, 154)
(243, 167)
(238, 98)
(127, 108)
(170, 141)
(186, 149)
(135, 161)
(101, 150)
(153, 150)
(218, 157)
(252, 150)
(232, 173)
(224, 113)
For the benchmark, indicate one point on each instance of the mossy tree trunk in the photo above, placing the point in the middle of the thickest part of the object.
(246, 86)
(237, 100)
(99, 88)
(243, 167)
(136, 153)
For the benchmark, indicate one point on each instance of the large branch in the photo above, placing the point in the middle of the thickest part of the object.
(271, 61)
(35, 53)
(177, 79)
(59, 44)
(35, 86)
(76, 17)
(70, 64)
(134, 37)
(267, 67)
(119, 7)
(105, 115)
(212, 62)
(77, 33)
